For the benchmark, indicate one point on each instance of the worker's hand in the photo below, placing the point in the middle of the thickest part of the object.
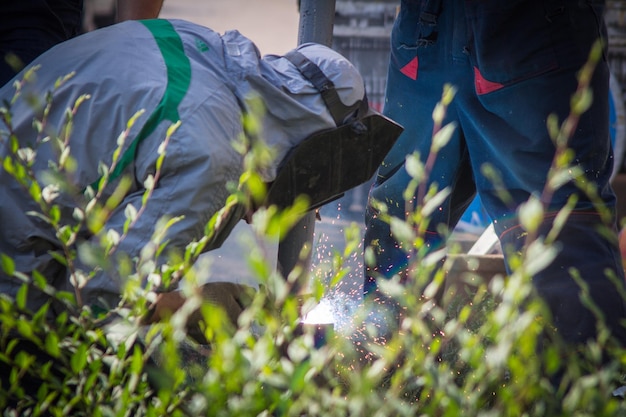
(232, 298)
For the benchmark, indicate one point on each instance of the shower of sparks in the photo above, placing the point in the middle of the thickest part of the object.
(339, 304)
(321, 314)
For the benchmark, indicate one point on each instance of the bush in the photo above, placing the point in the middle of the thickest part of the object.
(476, 353)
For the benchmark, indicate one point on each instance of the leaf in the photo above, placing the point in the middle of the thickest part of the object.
(553, 126)
(148, 184)
(173, 128)
(539, 257)
(414, 167)
(299, 378)
(26, 154)
(435, 202)
(369, 256)
(24, 327)
(52, 344)
(24, 360)
(8, 265)
(443, 136)
(582, 101)
(8, 166)
(65, 154)
(130, 212)
(159, 162)
(439, 113)
(449, 91)
(55, 214)
(20, 297)
(134, 118)
(136, 363)
(35, 191)
(78, 214)
(81, 99)
(66, 235)
(78, 361)
(531, 214)
(39, 280)
(562, 177)
(40, 315)
(401, 231)
(338, 277)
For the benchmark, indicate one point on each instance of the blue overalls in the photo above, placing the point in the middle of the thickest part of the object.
(513, 63)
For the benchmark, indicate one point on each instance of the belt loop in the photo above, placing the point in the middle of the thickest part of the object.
(431, 9)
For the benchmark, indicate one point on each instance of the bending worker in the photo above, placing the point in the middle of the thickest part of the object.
(174, 71)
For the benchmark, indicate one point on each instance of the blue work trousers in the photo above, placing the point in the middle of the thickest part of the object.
(513, 64)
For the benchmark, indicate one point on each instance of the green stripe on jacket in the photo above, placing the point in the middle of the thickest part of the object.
(178, 79)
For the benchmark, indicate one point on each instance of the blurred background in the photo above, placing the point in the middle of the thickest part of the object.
(271, 24)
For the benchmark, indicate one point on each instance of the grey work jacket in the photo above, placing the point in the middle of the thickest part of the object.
(171, 70)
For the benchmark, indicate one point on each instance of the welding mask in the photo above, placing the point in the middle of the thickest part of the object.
(328, 163)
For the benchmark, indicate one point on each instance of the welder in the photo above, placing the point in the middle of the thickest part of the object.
(163, 74)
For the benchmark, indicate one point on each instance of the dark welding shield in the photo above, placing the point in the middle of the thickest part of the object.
(327, 164)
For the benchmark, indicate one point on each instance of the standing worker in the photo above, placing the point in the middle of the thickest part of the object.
(513, 64)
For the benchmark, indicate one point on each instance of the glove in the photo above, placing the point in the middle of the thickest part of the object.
(232, 298)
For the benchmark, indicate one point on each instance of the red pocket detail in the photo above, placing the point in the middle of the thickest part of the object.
(410, 69)
(484, 86)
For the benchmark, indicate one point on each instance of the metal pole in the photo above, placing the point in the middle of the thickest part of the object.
(316, 21)
(316, 25)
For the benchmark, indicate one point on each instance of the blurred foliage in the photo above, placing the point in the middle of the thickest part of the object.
(431, 347)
